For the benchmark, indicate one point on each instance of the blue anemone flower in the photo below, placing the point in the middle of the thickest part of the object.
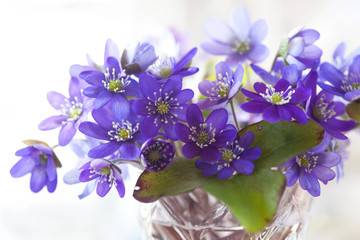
(235, 157)
(240, 40)
(205, 137)
(219, 91)
(162, 106)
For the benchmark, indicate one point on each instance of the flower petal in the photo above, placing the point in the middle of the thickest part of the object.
(292, 175)
(38, 179)
(149, 86)
(120, 106)
(182, 132)
(258, 53)
(93, 130)
(129, 151)
(67, 132)
(22, 167)
(217, 119)
(150, 125)
(56, 99)
(103, 187)
(104, 150)
(194, 116)
(210, 154)
(190, 150)
(240, 22)
(271, 114)
(325, 174)
(255, 106)
(251, 154)
(225, 173)
(102, 99)
(52, 122)
(243, 166)
(218, 30)
(258, 31)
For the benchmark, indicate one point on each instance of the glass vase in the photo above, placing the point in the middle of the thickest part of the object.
(197, 215)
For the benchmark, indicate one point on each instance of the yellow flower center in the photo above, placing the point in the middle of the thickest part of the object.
(165, 72)
(114, 85)
(106, 170)
(227, 155)
(163, 108)
(203, 137)
(276, 98)
(154, 156)
(124, 133)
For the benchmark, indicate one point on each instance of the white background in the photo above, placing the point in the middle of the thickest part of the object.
(39, 40)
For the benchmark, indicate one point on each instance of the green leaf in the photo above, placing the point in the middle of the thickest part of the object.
(353, 110)
(181, 176)
(252, 199)
(282, 140)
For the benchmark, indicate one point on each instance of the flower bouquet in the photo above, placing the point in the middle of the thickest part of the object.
(241, 155)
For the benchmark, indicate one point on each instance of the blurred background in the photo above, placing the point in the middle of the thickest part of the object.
(39, 41)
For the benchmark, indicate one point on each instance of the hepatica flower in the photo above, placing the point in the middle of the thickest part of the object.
(300, 50)
(165, 67)
(340, 61)
(278, 102)
(235, 157)
(346, 86)
(290, 73)
(39, 160)
(239, 41)
(106, 175)
(111, 87)
(73, 111)
(225, 86)
(162, 106)
(121, 135)
(312, 166)
(322, 109)
(157, 154)
(205, 137)
(137, 58)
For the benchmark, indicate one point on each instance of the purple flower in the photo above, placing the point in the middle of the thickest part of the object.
(344, 86)
(165, 67)
(340, 61)
(278, 102)
(136, 59)
(157, 154)
(322, 109)
(39, 160)
(300, 49)
(121, 134)
(105, 173)
(312, 166)
(225, 86)
(73, 111)
(81, 149)
(240, 40)
(162, 106)
(289, 73)
(205, 137)
(111, 50)
(235, 157)
(111, 87)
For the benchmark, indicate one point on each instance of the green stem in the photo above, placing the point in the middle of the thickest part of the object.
(274, 61)
(233, 113)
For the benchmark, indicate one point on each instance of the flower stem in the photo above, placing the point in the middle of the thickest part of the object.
(274, 61)
(234, 115)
